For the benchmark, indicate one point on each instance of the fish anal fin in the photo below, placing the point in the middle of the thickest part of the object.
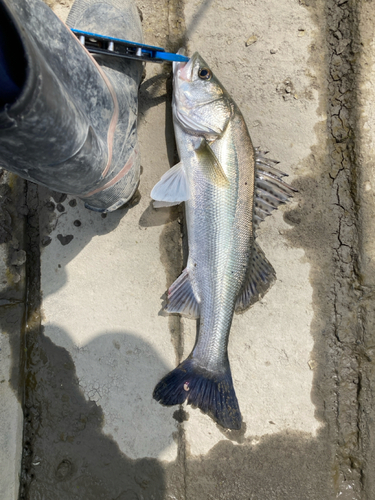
(181, 297)
(173, 187)
(260, 277)
(211, 166)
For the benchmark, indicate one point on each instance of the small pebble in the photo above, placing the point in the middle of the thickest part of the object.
(251, 40)
(73, 203)
(312, 364)
(77, 223)
(60, 207)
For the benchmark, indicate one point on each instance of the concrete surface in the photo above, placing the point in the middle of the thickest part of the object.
(12, 316)
(270, 345)
(302, 359)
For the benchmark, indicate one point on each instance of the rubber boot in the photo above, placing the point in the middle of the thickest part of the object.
(68, 121)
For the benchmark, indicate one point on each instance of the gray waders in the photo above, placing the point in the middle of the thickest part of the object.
(73, 125)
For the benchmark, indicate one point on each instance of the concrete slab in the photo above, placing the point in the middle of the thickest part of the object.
(104, 343)
(271, 81)
(113, 331)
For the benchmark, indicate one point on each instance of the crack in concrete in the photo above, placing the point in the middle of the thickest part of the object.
(175, 40)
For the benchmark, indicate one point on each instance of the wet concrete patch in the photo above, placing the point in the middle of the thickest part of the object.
(65, 240)
(285, 466)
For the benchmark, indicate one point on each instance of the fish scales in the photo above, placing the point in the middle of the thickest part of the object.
(228, 188)
(224, 231)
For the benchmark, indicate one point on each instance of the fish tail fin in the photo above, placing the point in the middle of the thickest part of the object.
(211, 392)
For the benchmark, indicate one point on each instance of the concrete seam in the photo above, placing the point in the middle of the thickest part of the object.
(341, 119)
(176, 39)
(32, 329)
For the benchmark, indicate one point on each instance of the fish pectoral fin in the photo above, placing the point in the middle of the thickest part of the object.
(173, 187)
(270, 189)
(181, 297)
(211, 166)
(261, 276)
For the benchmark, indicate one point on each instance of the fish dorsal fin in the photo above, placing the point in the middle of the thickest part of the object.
(181, 297)
(210, 165)
(173, 187)
(260, 277)
(270, 189)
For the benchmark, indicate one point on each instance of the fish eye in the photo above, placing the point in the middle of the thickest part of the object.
(204, 74)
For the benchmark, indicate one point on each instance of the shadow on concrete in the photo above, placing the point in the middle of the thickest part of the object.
(158, 217)
(67, 456)
(75, 226)
(151, 94)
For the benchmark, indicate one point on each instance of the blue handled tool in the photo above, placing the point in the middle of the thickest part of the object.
(109, 46)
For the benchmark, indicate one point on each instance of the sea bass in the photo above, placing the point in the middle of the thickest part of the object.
(228, 188)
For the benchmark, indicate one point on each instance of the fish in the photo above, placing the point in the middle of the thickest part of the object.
(228, 188)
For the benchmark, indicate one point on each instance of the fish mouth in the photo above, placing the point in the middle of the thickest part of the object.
(177, 65)
(183, 70)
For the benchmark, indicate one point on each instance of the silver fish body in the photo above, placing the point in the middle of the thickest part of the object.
(220, 235)
(226, 194)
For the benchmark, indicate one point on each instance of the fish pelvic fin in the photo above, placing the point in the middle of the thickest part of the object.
(181, 297)
(260, 277)
(211, 392)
